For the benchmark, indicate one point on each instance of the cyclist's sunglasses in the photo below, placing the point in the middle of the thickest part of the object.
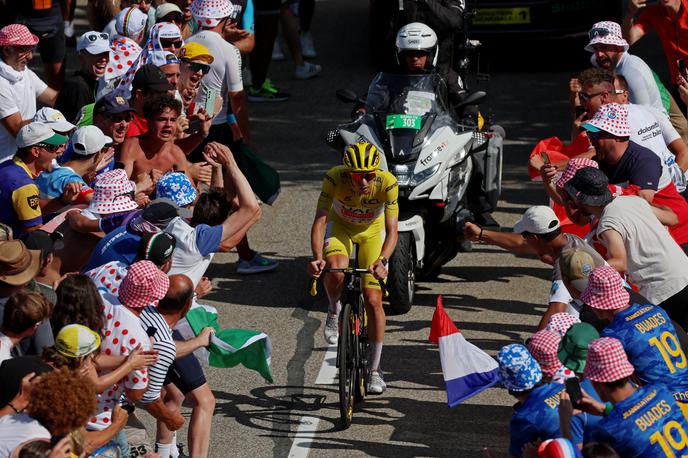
(359, 176)
(177, 44)
(599, 32)
(197, 66)
(95, 36)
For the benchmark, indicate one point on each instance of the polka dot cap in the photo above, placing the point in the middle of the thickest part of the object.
(611, 118)
(123, 53)
(209, 13)
(606, 33)
(559, 323)
(112, 193)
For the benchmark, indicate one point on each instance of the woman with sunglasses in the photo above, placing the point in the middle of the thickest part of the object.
(358, 204)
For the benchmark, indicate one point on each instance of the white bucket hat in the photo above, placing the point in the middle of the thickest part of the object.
(112, 193)
(606, 33)
(209, 13)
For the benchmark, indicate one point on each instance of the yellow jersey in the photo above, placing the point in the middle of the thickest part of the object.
(350, 207)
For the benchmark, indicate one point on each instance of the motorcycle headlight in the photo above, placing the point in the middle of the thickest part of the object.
(423, 175)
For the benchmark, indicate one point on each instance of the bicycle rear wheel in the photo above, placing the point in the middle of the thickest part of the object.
(347, 365)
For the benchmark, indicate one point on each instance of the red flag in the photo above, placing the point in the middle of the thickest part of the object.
(441, 325)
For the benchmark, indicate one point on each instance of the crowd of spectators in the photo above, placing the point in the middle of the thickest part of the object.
(116, 194)
(606, 373)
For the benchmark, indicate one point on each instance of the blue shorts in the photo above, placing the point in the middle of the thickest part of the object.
(186, 372)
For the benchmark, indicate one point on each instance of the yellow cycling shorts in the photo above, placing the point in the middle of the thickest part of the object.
(340, 239)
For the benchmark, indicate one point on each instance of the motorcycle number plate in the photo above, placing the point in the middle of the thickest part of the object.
(403, 121)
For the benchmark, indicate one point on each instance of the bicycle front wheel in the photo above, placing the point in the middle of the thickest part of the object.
(347, 365)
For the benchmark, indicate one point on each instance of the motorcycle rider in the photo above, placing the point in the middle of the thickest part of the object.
(358, 204)
(445, 17)
(417, 52)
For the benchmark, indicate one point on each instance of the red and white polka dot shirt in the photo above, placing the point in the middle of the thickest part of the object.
(123, 332)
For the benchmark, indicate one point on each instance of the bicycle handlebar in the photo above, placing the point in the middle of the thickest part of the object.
(313, 290)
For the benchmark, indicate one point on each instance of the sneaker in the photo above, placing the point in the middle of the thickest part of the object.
(306, 71)
(486, 220)
(277, 53)
(266, 93)
(331, 330)
(307, 46)
(256, 265)
(180, 450)
(376, 384)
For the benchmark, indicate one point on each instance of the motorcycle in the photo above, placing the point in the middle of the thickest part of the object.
(434, 157)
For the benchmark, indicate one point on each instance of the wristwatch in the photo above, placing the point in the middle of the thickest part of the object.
(384, 260)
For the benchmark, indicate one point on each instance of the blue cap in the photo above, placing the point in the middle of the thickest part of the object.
(177, 187)
(112, 104)
(518, 370)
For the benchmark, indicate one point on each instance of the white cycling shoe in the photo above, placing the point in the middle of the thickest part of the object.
(376, 384)
(331, 330)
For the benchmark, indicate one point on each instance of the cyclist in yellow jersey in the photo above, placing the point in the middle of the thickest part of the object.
(358, 204)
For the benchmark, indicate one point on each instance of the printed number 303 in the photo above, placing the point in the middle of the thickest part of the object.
(670, 350)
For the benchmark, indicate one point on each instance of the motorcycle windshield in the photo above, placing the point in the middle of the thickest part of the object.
(408, 108)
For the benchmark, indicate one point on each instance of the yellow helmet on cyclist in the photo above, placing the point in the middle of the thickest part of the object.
(362, 157)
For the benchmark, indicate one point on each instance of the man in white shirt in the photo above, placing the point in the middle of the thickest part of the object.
(610, 51)
(19, 85)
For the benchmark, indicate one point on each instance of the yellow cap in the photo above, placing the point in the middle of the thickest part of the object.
(196, 51)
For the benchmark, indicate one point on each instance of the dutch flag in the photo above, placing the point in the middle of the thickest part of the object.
(467, 369)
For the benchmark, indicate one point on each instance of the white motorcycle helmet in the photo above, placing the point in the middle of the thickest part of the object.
(417, 36)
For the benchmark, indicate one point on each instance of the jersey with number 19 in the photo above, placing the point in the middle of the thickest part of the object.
(648, 423)
(650, 341)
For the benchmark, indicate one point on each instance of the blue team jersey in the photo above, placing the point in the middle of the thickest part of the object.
(537, 418)
(119, 245)
(649, 423)
(650, 341)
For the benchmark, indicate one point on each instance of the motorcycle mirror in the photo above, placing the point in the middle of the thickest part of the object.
(346, 95)
(473, 99)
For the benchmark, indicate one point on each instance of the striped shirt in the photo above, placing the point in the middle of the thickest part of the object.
(160, 333)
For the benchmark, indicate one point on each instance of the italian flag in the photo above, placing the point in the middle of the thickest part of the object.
(229, 347)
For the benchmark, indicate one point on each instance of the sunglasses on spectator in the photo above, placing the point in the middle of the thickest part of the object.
(138, 2)
(197, 66)
(598, 32)
(95, 36)
(594, 136)
(49, 148)
(173, 17)
(117, 118)
(130, 194)
(177, 44)
(585, 97)
(359, 176)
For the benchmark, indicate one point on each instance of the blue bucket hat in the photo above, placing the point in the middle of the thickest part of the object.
(176, 186)
(518, 370)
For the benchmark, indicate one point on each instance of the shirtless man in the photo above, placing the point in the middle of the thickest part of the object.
(155, 151)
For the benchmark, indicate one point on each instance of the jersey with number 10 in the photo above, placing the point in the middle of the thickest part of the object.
(650, 341)
(649, 423)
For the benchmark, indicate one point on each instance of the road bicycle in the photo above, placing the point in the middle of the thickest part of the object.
(352, 345)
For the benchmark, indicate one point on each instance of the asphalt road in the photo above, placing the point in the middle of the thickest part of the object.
(493, 297)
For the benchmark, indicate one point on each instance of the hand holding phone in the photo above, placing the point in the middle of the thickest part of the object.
(574, 390)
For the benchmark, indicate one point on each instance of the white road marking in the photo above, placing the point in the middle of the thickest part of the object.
(308, 426)
(328, 369)
(301, 446)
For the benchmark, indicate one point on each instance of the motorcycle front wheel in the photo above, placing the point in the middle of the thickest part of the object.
(401, 279)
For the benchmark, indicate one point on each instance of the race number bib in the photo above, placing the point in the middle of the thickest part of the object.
(403, 121)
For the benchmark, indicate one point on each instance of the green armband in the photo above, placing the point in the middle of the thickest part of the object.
(607, 409)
